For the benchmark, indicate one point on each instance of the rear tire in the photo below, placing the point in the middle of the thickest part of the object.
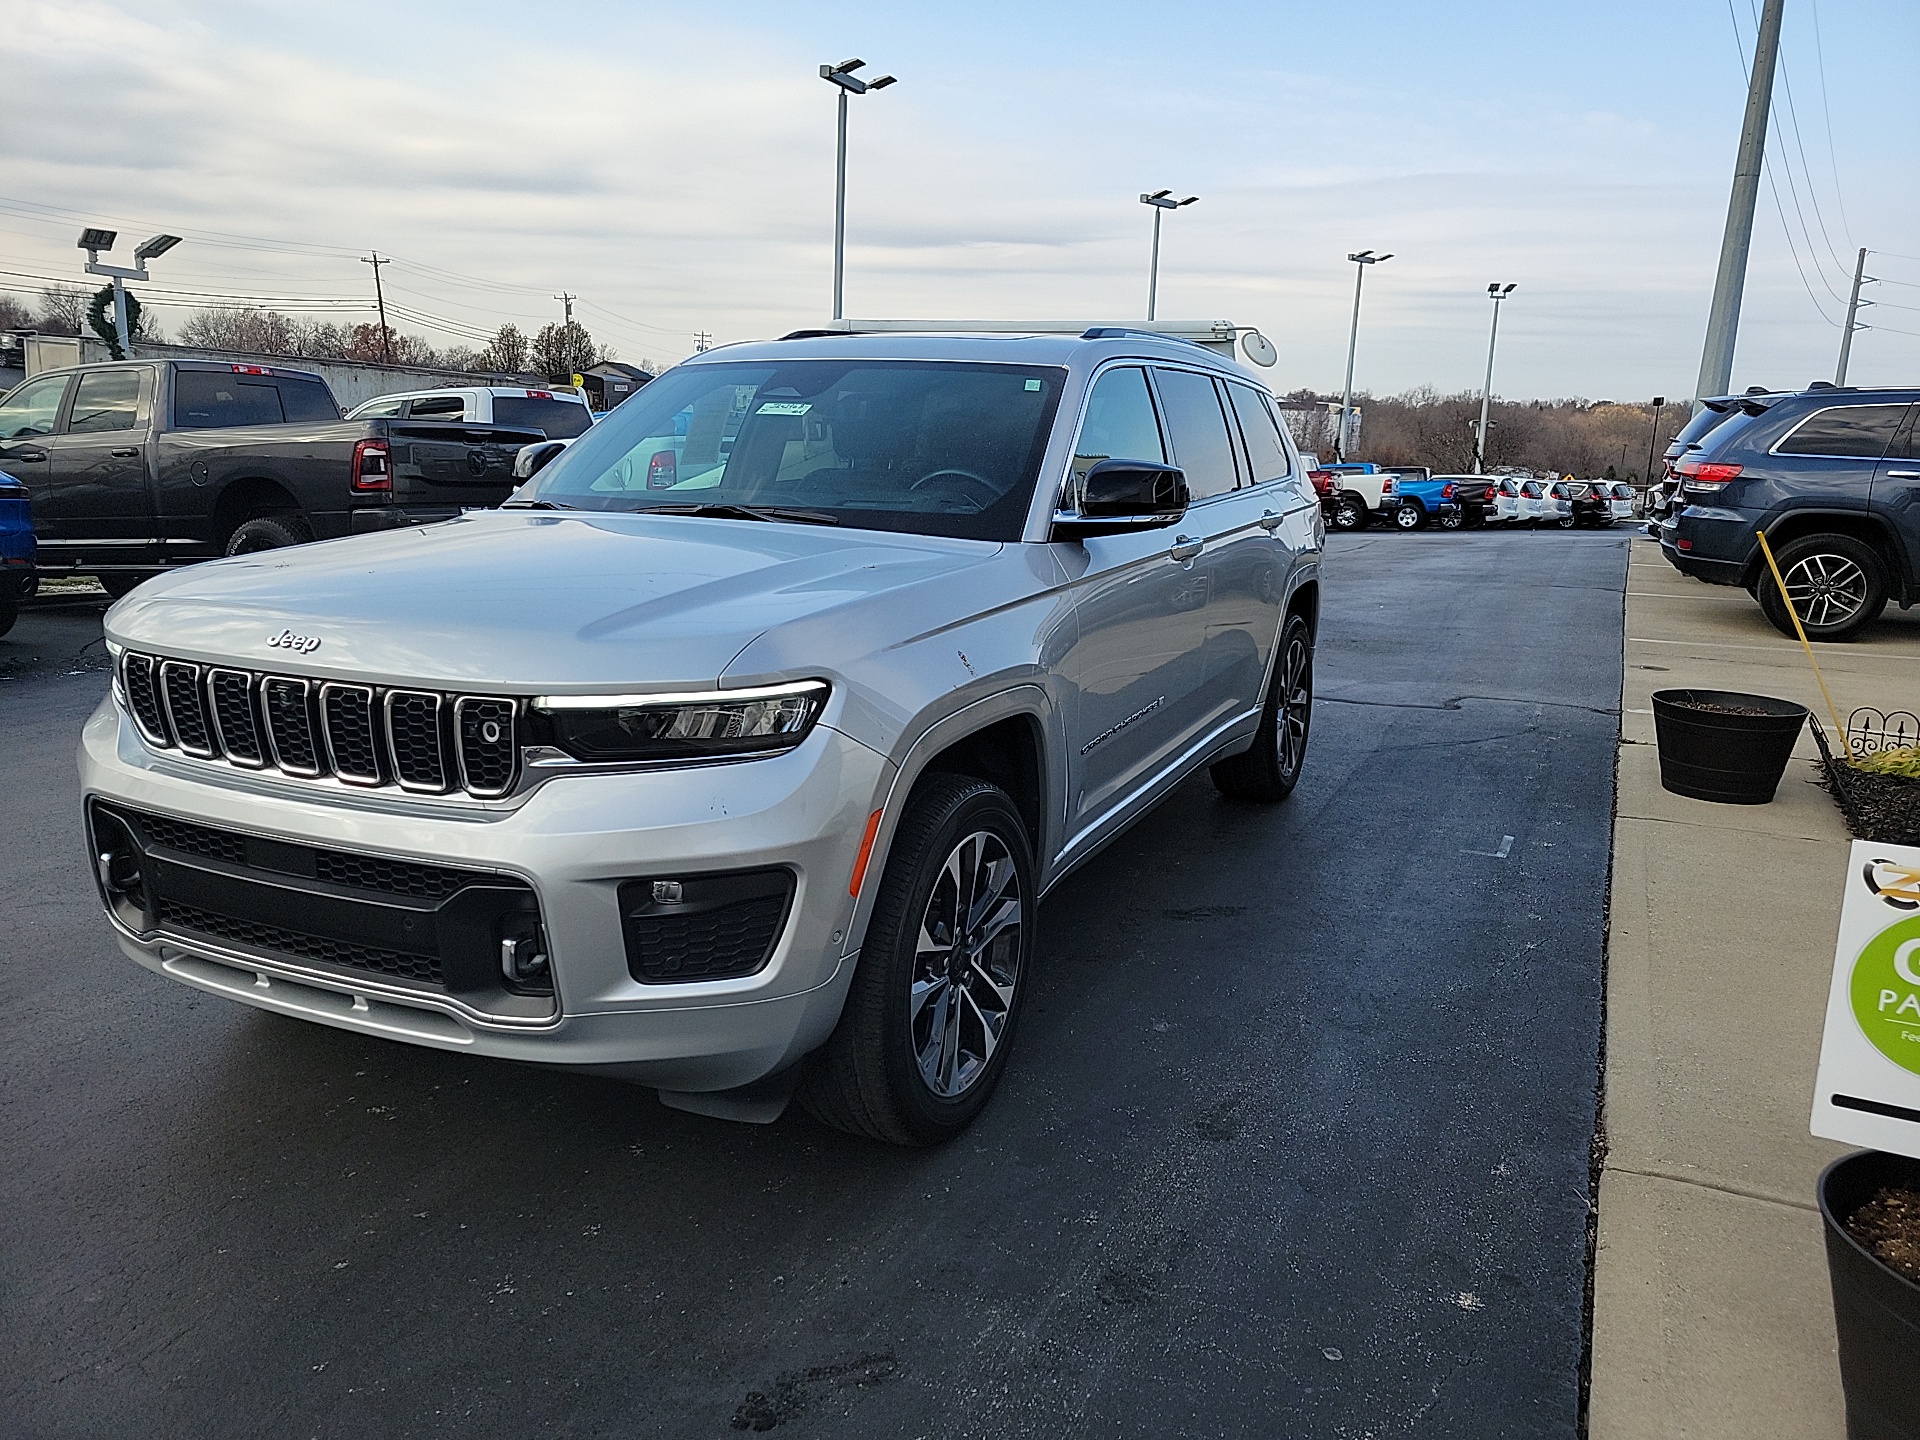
(1568, 522)
(1451, 520)
(268, 532)
(119, 586)
(1408, 515)
(1838, 584)
(928, 1026)
(1270, 768)
(9, 613)
(1349, 513)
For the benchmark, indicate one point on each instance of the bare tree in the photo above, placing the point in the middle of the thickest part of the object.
(63, 310)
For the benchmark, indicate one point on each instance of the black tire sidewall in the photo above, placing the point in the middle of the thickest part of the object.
(905, 890)
(285, 529)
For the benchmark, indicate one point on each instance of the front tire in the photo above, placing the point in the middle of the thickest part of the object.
(931, 1014)
(1838, 585)
(1270, 768)
(268, 532)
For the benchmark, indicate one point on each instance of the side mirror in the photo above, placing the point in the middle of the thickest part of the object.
(532, 459)
(1117, 496)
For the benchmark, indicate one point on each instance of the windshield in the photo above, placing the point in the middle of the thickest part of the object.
(927, 447)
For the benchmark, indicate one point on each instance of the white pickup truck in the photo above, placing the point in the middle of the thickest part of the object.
(1351, 492)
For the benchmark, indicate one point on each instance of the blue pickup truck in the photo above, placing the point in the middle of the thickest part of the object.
(1415, 495)
(17, 550)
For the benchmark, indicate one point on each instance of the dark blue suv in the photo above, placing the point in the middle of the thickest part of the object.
(1833, 477)
(17, 550)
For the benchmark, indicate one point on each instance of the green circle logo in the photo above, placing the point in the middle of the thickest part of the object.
(1886, 993)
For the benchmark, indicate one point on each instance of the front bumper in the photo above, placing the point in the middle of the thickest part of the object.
(573, 840)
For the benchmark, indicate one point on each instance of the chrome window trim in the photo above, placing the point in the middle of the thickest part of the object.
(413, 786)
(1906, 408)
(173, 722)
(259, 720)
(326, 735)
(513, 746)
(273, 740)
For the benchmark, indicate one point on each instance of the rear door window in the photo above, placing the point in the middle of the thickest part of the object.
(209, 400)
(1201, 445)
(104, 400)
(438, 407)
(560, 419)
(1854, 431)
(1266, 451)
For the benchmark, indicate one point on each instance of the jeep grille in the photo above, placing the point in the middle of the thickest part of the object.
(417, 740)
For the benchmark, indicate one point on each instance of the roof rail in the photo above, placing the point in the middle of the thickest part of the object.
(1215, 335)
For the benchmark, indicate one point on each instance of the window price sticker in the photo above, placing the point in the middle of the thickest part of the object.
(1868, 1090)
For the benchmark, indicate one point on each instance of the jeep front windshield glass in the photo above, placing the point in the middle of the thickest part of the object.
(926, 447)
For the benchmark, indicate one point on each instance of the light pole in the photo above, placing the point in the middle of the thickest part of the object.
(93, 241)
(841, 76)
(1496, 292)
(1653, 435)
(1160, 202)
(1361, 261)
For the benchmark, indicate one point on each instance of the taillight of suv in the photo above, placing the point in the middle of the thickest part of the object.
(1699, 477)
(372, 466)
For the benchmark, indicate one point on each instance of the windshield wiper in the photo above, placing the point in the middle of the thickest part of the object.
(535, 505)
(727, 511)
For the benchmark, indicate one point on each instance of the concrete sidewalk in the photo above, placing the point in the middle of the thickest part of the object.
(1712, 1314)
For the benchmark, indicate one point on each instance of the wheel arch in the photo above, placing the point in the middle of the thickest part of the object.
(1862, 525)
(242, 499)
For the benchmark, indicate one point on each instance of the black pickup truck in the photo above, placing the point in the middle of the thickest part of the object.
(141, 465)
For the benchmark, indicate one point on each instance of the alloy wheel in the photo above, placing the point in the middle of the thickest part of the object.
(1295, 710)
(966, 964)
(1826, 590)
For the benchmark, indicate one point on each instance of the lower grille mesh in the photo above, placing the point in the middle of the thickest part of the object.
(293, 942)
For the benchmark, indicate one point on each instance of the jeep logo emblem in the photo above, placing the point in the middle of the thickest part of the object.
(300, 644)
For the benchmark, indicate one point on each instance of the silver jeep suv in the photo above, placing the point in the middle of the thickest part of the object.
(732, 755)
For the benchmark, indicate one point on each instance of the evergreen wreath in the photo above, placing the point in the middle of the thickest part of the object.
(100, 318)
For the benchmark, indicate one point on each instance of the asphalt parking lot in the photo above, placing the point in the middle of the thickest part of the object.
(1296, 1142)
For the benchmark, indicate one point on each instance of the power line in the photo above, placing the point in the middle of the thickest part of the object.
(1826, 113)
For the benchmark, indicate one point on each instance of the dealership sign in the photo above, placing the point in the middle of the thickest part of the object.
(1868, 1092)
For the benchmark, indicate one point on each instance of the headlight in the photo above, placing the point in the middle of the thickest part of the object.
(708, 724)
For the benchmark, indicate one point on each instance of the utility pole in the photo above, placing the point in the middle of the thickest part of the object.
(1723, 320)
(1496, 292)
(380, 299)
(1854, 302)
(701, 340)
(1361, 261)
(567, 300)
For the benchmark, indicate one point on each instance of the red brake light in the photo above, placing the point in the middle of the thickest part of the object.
(1386, 486)
(1707, 472)
(539, 394)
(1446, 491)
(251, 370)
(372, 469)
(662, 470)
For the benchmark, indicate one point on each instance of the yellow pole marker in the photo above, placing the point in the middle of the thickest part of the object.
(1787, 600)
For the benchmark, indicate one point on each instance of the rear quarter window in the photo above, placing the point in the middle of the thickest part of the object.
(1855, 431)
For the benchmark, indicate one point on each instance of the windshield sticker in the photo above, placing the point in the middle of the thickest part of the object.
(1033, 384)
(784, 407)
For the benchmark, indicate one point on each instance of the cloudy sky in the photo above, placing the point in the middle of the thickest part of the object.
(672, 165)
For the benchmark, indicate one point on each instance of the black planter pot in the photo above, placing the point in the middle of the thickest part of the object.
(1732, 759)
(1875, 1309)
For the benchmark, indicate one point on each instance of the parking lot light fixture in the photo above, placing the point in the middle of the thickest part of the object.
(841, 76)
(1653, 435)
(93, 241)
(1496, 292)
(1160, 201)
(1361, 261)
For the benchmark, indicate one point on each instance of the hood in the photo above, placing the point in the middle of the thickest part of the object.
(526, 601)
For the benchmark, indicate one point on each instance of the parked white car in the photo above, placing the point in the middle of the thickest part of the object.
(561, 414)
(1507, 501)
(1622, 500)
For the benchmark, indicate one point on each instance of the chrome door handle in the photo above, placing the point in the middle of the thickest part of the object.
(132, 452)
(1903, 474)
(1269, 521)
(1185, 547)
